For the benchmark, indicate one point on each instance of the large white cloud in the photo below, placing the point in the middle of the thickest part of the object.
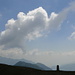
(26, 27)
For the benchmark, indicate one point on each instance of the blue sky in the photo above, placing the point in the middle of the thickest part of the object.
(60, 38)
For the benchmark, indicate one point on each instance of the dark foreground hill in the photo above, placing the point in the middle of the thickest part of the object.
(14, 70)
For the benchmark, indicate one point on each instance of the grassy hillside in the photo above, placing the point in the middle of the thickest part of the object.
(14, 70)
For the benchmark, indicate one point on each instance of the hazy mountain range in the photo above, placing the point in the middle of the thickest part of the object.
(9, 61)
(23, 63)
(30, 65)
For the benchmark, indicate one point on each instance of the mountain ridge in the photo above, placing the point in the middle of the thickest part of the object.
(11, 61)
(24, 64)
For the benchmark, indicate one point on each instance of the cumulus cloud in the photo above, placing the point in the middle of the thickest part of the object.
(26, 27)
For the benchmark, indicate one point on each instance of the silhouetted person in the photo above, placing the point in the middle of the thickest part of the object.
(57, 67)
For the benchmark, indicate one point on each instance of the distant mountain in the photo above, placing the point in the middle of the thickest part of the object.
(24, 64)
(43, 66)
(10, 61)
(36, 66)
(28, 63)
(68, 67)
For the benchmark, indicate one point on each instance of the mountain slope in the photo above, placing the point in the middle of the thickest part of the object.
(43, 66)
(24, 64)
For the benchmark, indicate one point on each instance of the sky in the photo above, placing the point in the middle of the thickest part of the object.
(38, 30)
